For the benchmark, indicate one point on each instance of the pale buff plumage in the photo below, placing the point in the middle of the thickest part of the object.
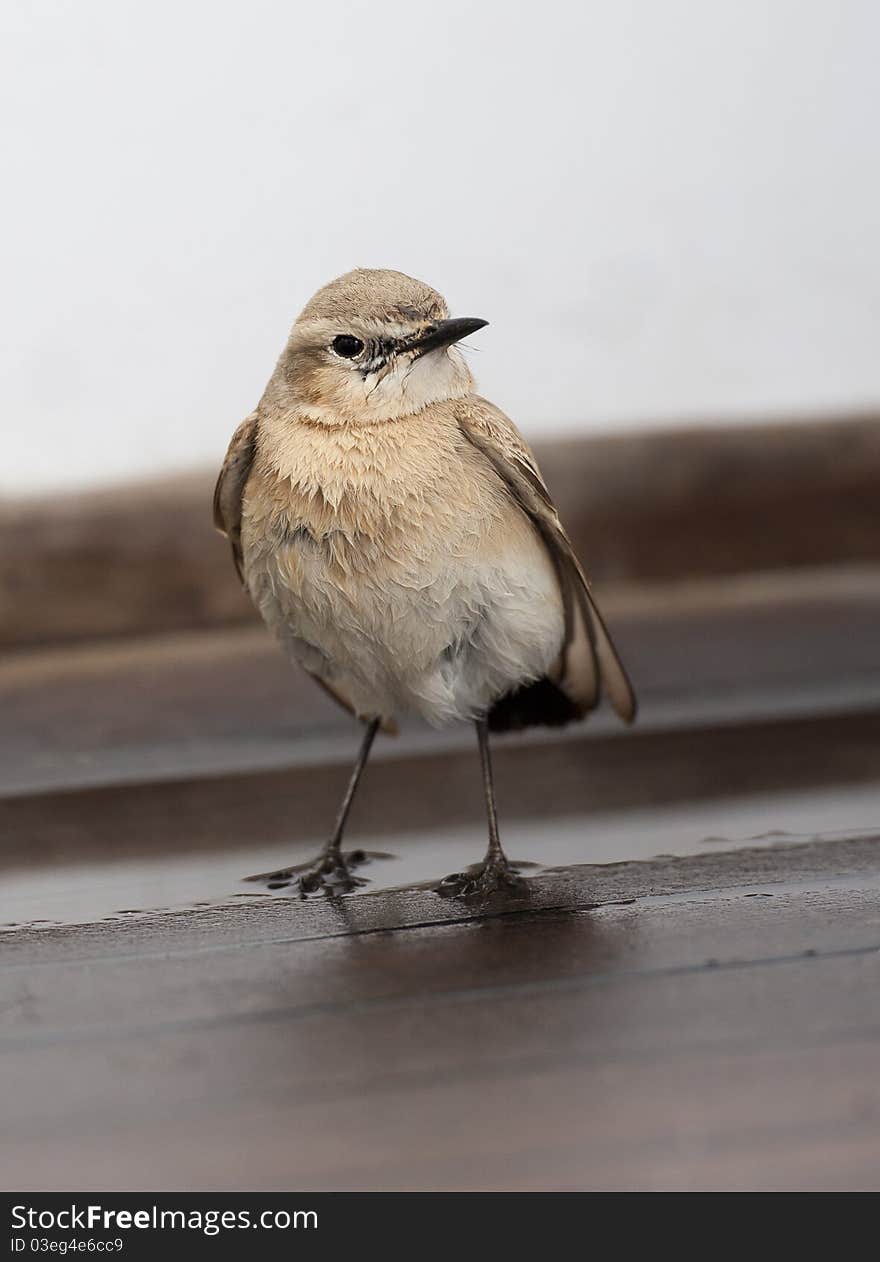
(405, 580)
(394, 530)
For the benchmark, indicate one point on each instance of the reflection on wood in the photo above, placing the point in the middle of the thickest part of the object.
(700, 1023)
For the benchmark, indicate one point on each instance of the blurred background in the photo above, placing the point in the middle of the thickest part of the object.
(668, 213)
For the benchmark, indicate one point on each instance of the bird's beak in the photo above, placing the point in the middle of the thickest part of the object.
(445, 333)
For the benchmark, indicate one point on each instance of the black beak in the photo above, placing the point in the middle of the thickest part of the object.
(445, 333)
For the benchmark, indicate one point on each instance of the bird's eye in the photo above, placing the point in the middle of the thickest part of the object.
(347, 346)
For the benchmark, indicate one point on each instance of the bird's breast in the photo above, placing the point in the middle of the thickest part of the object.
(402, 566)
(355, 493)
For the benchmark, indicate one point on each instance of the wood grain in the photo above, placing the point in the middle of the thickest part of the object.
(700, 1023)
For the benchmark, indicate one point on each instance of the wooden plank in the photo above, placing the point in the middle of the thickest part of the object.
(795, 1118)
(702, 1035)
(655, 506)
(227, 702)
(408, 794)
(850, 861)
(62, 1003)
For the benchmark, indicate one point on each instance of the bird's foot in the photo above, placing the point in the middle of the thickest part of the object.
(329, 874)
(493, 876)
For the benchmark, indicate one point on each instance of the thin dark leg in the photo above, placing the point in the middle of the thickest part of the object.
(494, 852)
(495, 873)
(331, 868)
(332, 851)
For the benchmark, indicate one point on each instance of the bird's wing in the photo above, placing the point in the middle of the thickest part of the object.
(229, 491)
(228, 497)
(589, 656)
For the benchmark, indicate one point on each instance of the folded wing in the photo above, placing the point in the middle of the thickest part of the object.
(589, 663)
(229, 491)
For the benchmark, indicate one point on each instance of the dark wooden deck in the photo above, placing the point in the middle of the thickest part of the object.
(705, 1014)
(707, 1022)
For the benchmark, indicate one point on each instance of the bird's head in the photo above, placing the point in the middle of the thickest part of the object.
(373, 345)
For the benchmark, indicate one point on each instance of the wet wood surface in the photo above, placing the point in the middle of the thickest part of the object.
(705, 1015)
(701, 1022)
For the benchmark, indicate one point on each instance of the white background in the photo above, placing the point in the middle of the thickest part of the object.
(667, 210)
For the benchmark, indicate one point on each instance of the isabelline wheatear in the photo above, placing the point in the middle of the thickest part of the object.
(395, 532)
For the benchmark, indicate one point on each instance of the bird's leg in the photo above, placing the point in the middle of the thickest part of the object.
(331, 866)
(496, 871)
(331, 869)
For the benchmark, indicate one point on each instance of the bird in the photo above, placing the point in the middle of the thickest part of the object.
(395, 532)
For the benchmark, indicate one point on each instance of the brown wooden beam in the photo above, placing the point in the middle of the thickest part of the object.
(642, 507)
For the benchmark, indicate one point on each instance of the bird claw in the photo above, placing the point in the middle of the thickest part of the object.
(329, 874)
(494, 876)
(328, 878)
